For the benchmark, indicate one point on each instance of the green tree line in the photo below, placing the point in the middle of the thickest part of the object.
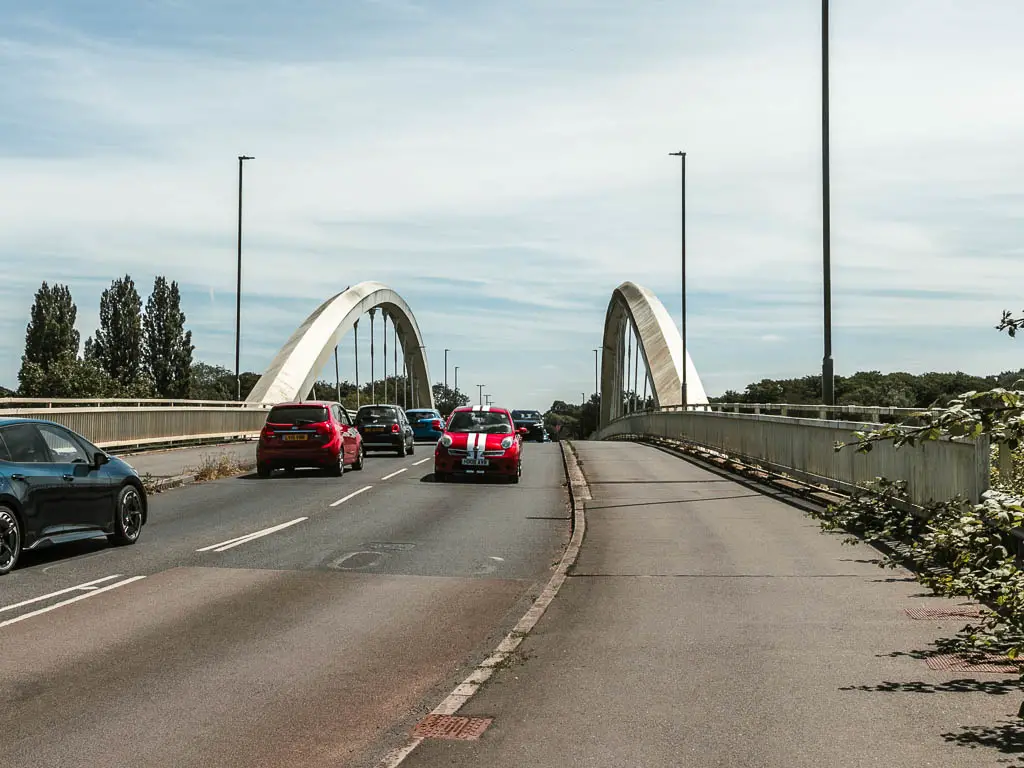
(901, 390)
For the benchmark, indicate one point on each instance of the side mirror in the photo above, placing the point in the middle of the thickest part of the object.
(523, 430)
(99, 459)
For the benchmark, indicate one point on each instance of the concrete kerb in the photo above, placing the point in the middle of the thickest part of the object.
(176, 481)
(577, 486)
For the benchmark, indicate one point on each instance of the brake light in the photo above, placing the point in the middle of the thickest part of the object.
(436, 424)
(394, 428)
(266, 432)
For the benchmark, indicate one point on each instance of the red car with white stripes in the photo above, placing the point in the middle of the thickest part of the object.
(479, 440)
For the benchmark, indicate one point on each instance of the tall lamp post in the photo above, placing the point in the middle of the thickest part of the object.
(446, 370)
(597, 386)
(238, 284)
(456, 379)
(481, 388)
(682, 157)
(828, 395)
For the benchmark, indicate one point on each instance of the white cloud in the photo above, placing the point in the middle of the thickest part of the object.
(528, 150)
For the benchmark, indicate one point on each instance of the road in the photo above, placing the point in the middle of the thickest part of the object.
(318, 644)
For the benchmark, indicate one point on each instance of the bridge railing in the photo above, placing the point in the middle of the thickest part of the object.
(804, 448)
(869, 414)
(123, 424)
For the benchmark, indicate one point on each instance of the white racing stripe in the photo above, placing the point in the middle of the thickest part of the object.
(352, 495)
(230, 543)
(88, 585)
(421, 461)
(388, 477)
(62, 603)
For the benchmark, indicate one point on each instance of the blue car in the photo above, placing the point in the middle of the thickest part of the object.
(426, 424)
(57, 487)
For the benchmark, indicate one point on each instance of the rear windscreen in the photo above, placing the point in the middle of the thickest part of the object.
(422, 415)
(297, 414)
(376, 414)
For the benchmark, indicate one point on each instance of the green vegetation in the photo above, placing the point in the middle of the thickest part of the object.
(900, 390)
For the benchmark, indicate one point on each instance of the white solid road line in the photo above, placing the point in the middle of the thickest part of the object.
(62, 603)
(225, 545)
(87, 585)
(421, 461)
(388, 477)
(343, 499)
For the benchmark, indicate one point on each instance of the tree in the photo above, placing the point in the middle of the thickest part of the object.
(166, 346)
(50, 336)
(68, 376)
(117, 345)
(447, 399)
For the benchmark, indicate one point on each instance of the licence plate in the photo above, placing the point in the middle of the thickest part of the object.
(374, 429)
(475, 462)
(296, 437)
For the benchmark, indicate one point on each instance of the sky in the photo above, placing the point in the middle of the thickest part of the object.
(504, 166)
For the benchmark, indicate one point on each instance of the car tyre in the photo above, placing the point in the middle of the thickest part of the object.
(412, 447)
(337, 468)
(401, 450)
(263, 471)
(10, 539)
(127, 516)
(358, 464)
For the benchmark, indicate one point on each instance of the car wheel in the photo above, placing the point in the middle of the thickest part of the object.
(10, 539)
(359, 458)
(337, 468)
(263, 470)
(401, 449)
(127, 516)
(412, 447)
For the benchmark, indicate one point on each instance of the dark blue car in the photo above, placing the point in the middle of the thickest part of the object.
(427, 424)
(57, 487)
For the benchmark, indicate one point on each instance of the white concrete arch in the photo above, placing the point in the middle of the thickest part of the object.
(660, 344)
(294, 370)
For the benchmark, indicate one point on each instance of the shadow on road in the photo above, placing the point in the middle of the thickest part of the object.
(1007, 738)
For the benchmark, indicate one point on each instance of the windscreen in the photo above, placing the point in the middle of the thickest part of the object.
(297, 415)
(369, 414)
(480, 421)
(526, 415)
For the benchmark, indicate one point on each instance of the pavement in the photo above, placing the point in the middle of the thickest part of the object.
(174, 462)
(296, 621)
(706, 623)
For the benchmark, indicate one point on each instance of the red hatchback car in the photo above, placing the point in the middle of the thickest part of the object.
(479, 440)
(309, 434)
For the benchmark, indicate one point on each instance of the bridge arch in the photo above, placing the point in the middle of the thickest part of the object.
(294, 369)
(658, 341)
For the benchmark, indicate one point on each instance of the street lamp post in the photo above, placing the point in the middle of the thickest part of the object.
(238, 284)
(597, 386)
(481, 395)
(682, 157)
(456, 379)
(828, 395)
(446, 371)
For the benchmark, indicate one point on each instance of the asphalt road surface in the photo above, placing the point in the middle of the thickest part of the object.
(319, 643)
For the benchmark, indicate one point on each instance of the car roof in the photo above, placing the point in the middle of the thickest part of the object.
(307, 402)
(6, 421)
(485, 408)
(378, 405)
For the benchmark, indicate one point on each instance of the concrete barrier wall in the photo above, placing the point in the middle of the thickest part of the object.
(804, 448)
(110, 427)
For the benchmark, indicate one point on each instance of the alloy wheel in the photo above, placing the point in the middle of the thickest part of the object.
(10, 540)
(130, 513)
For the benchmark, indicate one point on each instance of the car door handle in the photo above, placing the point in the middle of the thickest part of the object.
(68, 478)
(17, 476)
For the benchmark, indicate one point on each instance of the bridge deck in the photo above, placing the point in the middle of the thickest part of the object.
(708, 624)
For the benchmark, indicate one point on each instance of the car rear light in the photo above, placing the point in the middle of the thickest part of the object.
(266, 432)
(436, 424)
(394, 428)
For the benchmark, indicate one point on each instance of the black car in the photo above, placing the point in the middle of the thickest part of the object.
(534, 423)
(385, 428)
(57, 487)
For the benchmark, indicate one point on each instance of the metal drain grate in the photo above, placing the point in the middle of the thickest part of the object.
(451, 727)
(954, 662)
(943, 613)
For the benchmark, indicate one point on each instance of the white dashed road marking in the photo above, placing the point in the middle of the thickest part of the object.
(88, 586)
(352, 495)
(225, 545)
(421, 461)
(388, 477)
(69, 601)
